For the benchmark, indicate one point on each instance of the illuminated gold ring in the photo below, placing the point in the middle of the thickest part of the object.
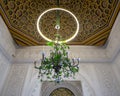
(67, 40)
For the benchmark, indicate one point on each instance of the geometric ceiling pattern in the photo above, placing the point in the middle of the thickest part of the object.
(96, 18)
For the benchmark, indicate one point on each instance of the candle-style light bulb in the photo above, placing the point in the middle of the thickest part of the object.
(43, 55)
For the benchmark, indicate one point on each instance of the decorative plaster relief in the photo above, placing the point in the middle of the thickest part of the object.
(113, 45)
(15, 80)
(4, 66)
(87, 54)
(107, 80)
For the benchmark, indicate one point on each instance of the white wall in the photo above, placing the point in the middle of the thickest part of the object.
(97, 80)
(7, 49)
(15, 80)
(116, 68)
(4, 66)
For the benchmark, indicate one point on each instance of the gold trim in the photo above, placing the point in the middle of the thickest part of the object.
(22, 37)
(96, 35)
(21, 43)
(97, 38)
(115, 14)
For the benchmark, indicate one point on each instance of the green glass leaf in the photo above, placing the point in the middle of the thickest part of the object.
(50, 44)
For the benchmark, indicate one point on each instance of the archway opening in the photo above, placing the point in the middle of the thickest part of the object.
(62, 92)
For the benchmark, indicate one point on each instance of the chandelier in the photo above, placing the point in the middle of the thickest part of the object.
(57, 65)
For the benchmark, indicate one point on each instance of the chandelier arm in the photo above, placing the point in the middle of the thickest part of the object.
(73, 61)
(43, 56)
(35, 66)
(78, 61)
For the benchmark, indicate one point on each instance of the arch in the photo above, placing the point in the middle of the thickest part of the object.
(74, 86)
(62, 91)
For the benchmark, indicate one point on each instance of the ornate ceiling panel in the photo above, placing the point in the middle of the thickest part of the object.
(96, 18)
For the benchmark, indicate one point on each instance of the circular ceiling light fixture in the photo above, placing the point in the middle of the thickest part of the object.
(64, 41)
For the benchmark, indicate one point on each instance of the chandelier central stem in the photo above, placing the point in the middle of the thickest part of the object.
(58, 14)
(57, 26)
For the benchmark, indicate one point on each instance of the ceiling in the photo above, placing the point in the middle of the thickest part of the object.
(96, 18)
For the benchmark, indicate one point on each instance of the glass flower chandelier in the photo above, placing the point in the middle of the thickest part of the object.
(57, 65)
